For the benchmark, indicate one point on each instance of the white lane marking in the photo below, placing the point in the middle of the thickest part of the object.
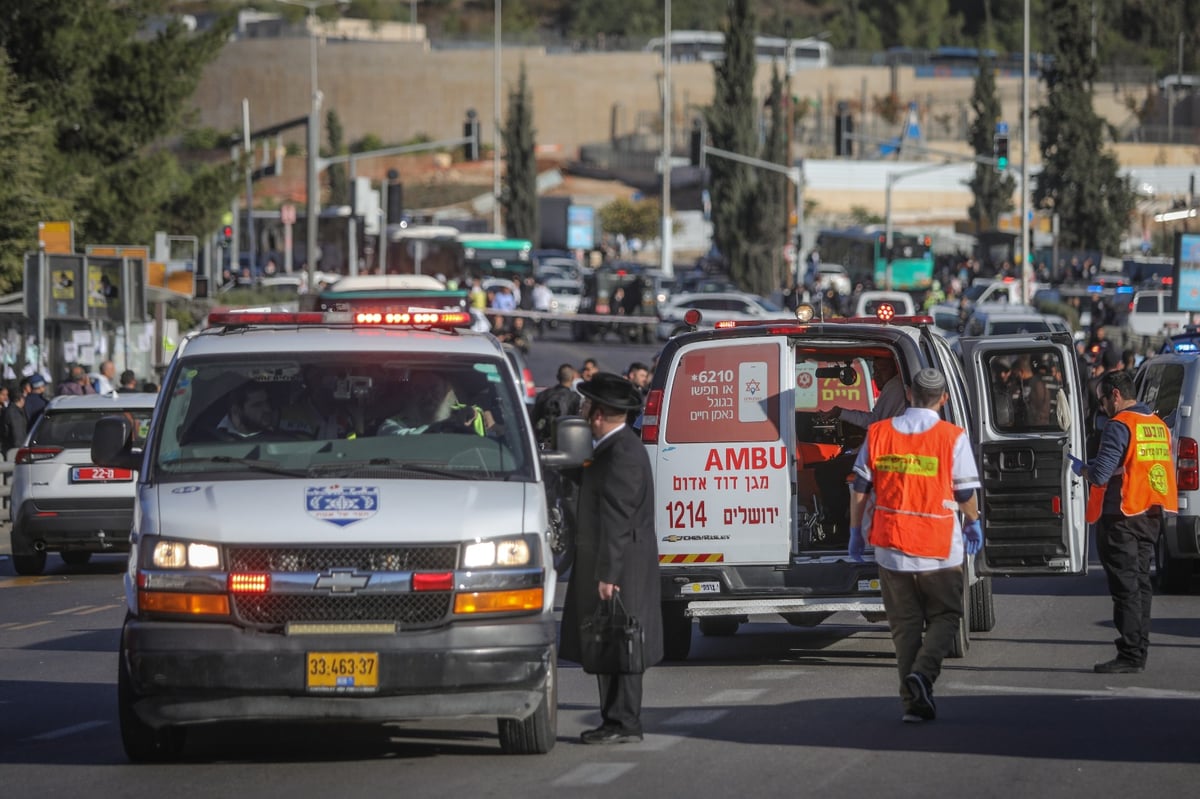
(777, 674)
(732, 696)
(29, 626)
(688, 718)
(8, 624)
(65, 731)
(71, 610)
(1107, 692)
(593, 774)
(97, 610)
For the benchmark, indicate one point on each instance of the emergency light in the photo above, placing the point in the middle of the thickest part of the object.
(411, 317)
(885, 312)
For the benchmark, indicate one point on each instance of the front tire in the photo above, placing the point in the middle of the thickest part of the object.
(143, 743)
(981, 607)
(536, 734)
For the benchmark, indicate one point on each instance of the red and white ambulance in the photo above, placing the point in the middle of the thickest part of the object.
(748, 465)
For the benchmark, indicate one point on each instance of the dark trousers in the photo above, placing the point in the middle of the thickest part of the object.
(923, 610)
(621, 701)
(1126, 547)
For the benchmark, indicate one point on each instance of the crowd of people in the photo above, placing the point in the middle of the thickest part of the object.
(22, 404)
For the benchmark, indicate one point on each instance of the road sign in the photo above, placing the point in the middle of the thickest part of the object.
(287, 214)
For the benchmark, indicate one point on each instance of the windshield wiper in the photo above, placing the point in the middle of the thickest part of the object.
(353, 467)
(254, 465)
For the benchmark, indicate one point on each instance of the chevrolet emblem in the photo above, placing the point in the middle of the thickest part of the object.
(342, 581)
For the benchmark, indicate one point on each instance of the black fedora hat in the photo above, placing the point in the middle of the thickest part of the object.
(612, 391)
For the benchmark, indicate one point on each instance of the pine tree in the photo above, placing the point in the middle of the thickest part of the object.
(1079, 178)
(766, 208)
(993, 190)
(731, 126)
(520, 197)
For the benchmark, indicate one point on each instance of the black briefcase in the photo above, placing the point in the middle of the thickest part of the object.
(613, 641)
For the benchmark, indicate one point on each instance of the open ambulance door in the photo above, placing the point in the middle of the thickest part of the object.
(1028, 421)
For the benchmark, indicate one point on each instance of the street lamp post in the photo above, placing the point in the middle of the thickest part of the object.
(313, 144)
(496, 120)
(668, 263)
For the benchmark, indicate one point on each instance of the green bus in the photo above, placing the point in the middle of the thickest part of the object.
(485, 256)
(864, 254)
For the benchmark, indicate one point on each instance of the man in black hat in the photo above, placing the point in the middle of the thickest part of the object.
(616, 550)
(919, 467)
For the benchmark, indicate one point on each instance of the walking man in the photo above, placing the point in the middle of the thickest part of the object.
(1134, 464)
(616, 549)
(920, 469)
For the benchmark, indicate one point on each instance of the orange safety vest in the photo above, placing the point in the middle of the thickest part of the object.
(1149, 473)
(914, 488)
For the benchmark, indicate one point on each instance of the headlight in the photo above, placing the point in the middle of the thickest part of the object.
(503, 552)
(180, 555)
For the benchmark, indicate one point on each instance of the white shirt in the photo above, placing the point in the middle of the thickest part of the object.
(963, 474)
(891, 402)
(598, 441)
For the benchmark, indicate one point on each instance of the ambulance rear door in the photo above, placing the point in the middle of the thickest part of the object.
(724, 470)
(1027, 422)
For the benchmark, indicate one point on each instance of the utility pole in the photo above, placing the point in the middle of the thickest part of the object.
(668, 265)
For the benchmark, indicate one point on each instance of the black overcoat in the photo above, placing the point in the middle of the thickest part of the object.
(615, 542)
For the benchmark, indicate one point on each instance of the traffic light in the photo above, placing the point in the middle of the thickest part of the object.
(696, 143)
(1000, 147)
(227, 235)
(471, 134)
(395, 203)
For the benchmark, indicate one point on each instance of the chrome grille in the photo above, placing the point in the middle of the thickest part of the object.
(423, 609)
(321, 559)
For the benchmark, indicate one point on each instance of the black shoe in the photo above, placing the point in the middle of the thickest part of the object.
(1118, 666)
(610, 735)
(922, 696)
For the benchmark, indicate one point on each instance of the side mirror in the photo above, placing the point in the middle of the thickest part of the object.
(112, 444)
(572, 444)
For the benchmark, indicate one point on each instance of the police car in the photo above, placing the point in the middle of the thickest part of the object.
(338, 519)
(749, 469)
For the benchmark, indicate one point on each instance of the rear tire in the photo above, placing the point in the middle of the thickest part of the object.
(29, 565)
(76, 558)
(719, 626)
(981, 608)
(1174, 575)
(536, 734)
(143, 743)
(962, 641)
(677, 631)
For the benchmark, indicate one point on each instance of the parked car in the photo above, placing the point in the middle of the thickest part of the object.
(1168, 383)
(833, 276)
(62, 502)
(1152, 314)
(566, 293)
(715, 307)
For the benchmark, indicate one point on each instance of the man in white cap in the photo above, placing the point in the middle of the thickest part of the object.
(921, 471)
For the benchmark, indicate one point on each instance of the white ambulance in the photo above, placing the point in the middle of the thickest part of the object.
(750, 468)
(338, 520)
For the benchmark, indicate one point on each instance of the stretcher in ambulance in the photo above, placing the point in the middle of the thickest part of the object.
(752, 468)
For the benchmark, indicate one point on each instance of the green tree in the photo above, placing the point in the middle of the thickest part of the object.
(27, 143)
(113, 97)
(520, 196)
(731, 120)
(1079, 178)
(993, 190)
(641, 219)
(766, 208)
(339, 182)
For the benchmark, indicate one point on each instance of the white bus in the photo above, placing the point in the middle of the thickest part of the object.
(709, 47)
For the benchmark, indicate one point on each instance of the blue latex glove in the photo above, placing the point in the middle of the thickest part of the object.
(1077, 466)
(857, 545)
(972, 536)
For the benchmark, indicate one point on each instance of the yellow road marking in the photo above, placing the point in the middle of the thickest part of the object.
(96, 610)
(31, 625)
(71, 610)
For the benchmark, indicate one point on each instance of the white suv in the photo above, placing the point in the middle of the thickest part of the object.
(714, 306)
(61, 501)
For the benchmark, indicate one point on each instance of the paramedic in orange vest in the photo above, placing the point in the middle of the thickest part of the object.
(1134, 465)
(923, 474)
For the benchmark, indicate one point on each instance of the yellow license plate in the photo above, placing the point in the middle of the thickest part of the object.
(342, 672)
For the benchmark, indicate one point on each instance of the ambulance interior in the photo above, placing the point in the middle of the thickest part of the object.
(826, 446)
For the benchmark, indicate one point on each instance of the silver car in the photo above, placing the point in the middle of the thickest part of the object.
(61, 501)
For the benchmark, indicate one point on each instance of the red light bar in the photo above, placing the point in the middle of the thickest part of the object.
(725, 324)
(249, 582)
(234, 318)
(886, 312)
(414, 317)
